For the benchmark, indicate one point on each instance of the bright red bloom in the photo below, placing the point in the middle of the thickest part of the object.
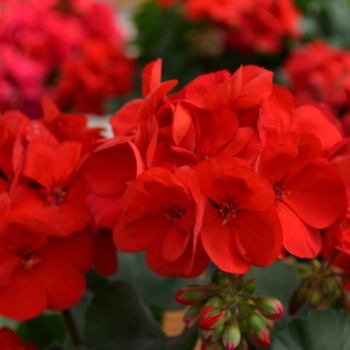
(240, 224)
(163, 215)
(304, 206)
(88, 81)
(54, 187)
(113, 165)
(38, 272)
(9, 340)
(320, 72)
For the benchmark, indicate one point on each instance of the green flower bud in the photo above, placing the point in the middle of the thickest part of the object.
(250, 286)
(303, 271)
(256, 321)
(270, 307)
(223, 279)
(231, 336)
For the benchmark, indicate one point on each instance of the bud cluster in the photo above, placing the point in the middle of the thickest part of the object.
(228, 313)
(320, 288)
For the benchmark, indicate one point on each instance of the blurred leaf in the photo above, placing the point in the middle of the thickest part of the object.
(156, 290)
(118, 319)
(43, 330)
(321, 330)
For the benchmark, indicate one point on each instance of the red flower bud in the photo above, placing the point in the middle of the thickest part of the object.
(261, 338)
(192, 294)
(192, 315)
(231, 336)
(270, 307)
(212, 317)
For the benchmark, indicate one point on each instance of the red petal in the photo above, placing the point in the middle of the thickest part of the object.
(299, 239)
(319, 202)
(261, 235)
(78, 249)
(106, 262)
(24, 298)
(223, 245)
(63, 284)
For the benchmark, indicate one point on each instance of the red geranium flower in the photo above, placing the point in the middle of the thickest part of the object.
(56, 187)
(40, 272)
(163, 215)
(309, 193)
(9, 340)
(240, 224)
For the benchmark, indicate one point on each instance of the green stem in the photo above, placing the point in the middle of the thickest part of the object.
(71, 328)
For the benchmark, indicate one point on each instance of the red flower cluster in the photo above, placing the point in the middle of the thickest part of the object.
(250, 25)
(38, 37)
(47, 235)
(230, 168)
(102, 71)
(320, 72)
(9, 340)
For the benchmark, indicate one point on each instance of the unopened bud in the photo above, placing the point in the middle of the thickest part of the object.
(315, 264)
(270, 307)
(217, 332)
(210, 345)
(260, 338)
(211, 318)
(223, 279)
(303, 271)
(192, 315)
(250, 286)
(256, 321)
(314, 298)
(192, 294)
(297, 299)
(231, 336)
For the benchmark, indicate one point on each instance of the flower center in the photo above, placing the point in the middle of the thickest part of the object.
(56, 197)
(281, 191)
(174, 214)
(227, 212)
(30, 259)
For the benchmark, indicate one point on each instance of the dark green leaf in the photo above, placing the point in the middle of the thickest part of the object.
(321, 330)
(155, 290)
(118, 319)
(43, 330)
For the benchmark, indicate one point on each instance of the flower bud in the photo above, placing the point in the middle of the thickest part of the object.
(297, 299)
(231, 336)
(217, 332)
(250, 286)
(270, 307)
(256, 321)
(314, 298)
(211, 318)
(260, 338)
(223, 279)
(303, 271)
(192, 294)
(315, 264)
(210, 345)
(192, 315)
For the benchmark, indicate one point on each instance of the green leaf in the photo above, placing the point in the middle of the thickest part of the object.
(118, 319)
(42, 331)
(156, 290)
(321, 330)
